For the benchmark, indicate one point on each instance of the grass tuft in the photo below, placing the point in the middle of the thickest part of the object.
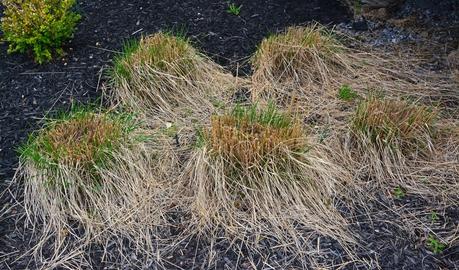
(346, 93)
(94, 175)
(399, 192)
(80, 138)
(394, 124)
(164, 72)
(248, 135)
(119, 69)
(163, 51)
(254, 176)
(297, 53)
(435, 245)
(233, 9)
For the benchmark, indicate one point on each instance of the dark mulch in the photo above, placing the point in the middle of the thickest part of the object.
(29, 91)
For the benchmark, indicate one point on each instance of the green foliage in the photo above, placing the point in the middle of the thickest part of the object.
(435, 245)
(268, 116)
(200, 138)
(346, 93)
(234, 9)
(399, 193)
(130, 46)
(38, 26)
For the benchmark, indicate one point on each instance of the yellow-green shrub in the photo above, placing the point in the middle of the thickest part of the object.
(38, 26)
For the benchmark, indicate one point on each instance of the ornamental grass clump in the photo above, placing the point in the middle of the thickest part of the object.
(297, 52)
(254, 175)
(299, 55)
(38, 26)
(78, 141)
(388, 133)
(91, 175)
(394, 124)
(247, 136)
(162, 72)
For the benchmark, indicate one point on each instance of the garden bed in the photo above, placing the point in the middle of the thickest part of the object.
(29, 91)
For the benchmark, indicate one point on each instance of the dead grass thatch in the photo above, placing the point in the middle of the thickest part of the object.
(403, 145)
(312, 69)
(253, 175)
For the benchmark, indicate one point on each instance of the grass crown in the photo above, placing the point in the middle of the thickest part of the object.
(394, 123)
(163, 52)
(81, 138)
(248, 135)
(162, 72)
(298, 53)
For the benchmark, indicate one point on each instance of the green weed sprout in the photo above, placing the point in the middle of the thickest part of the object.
(234, 9)
(346, 93)
(435, 245)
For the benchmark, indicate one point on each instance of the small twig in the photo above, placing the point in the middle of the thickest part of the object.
(103, 49)
(135, 32)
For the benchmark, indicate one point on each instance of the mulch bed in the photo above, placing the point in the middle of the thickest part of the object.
(29, 91)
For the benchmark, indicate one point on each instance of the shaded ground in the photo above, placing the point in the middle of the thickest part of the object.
(28, 91)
